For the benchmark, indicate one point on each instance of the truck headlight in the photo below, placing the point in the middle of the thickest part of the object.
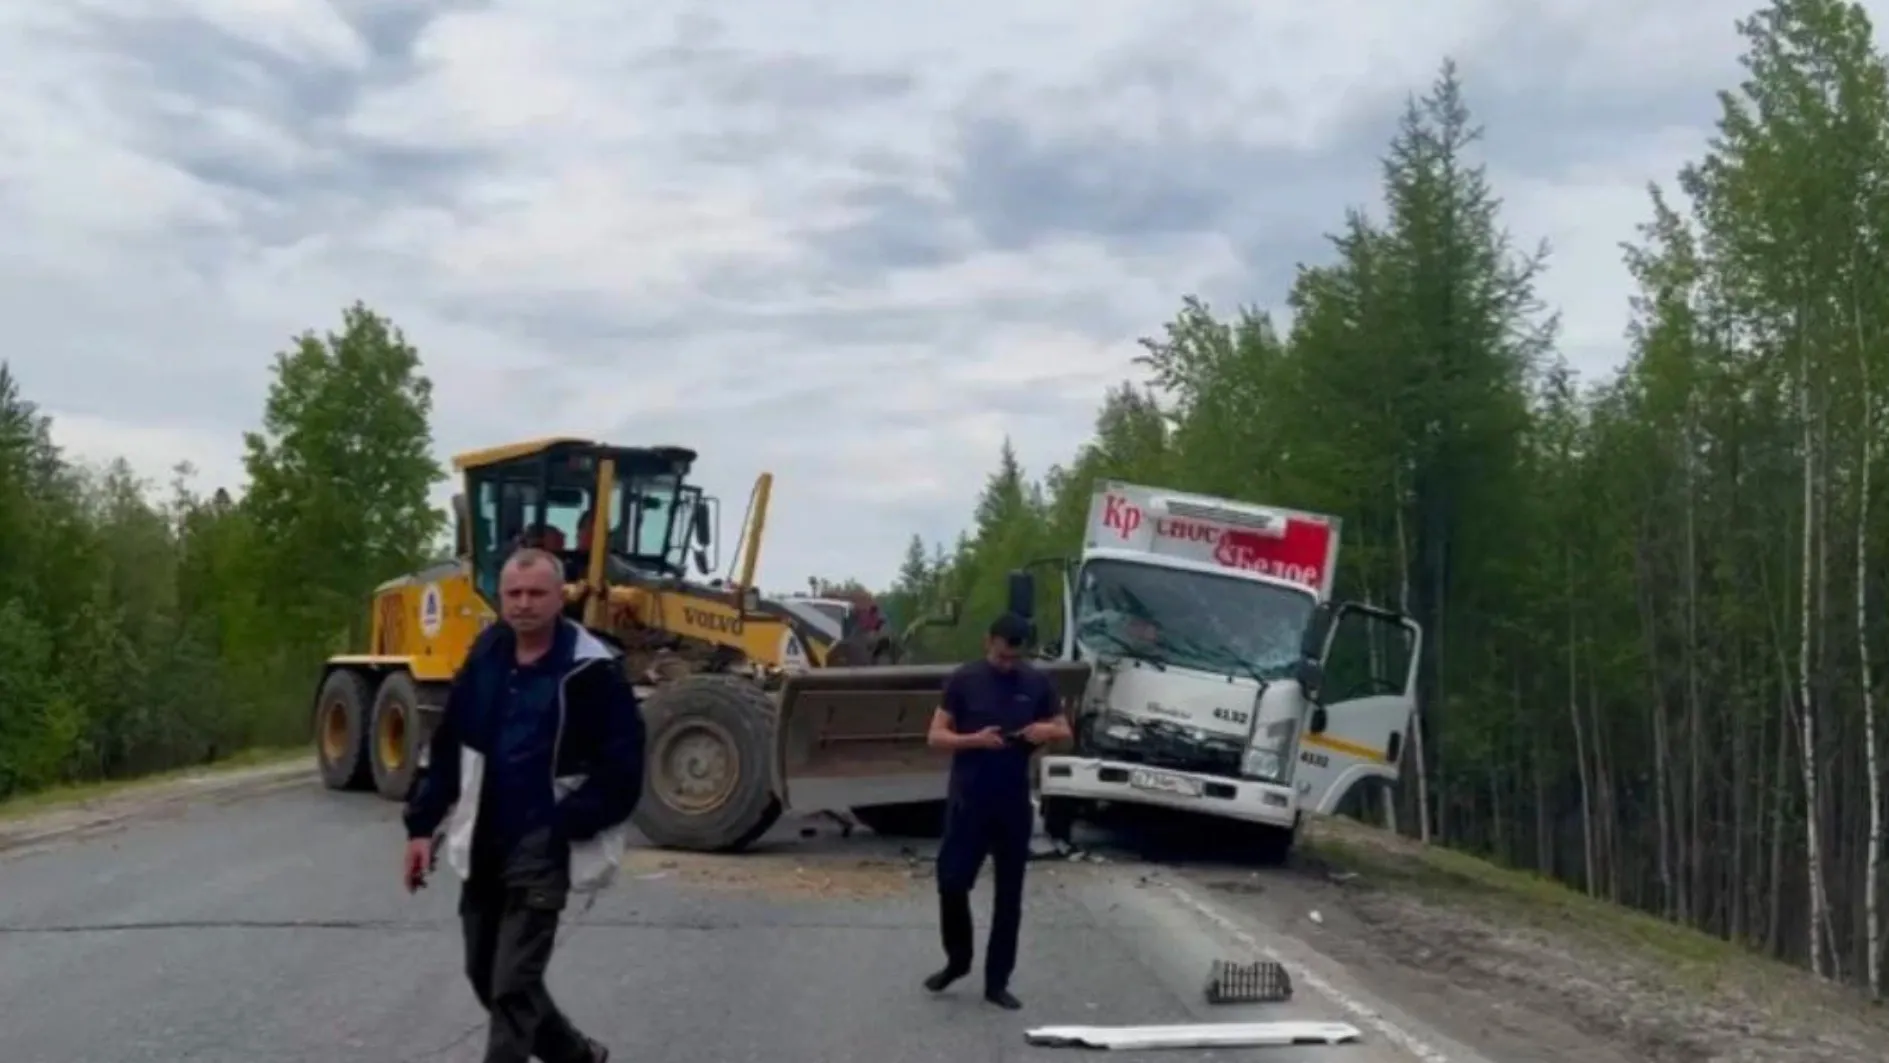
(1265, 755)
(1259, 763)
(1116, 729)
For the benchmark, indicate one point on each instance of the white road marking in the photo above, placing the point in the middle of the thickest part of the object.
(1392, 1032)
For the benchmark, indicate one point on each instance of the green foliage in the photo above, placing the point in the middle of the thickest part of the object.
(1620, 652)
(138, 635)
(339, 474)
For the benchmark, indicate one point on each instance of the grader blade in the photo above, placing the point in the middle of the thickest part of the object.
(854, 738)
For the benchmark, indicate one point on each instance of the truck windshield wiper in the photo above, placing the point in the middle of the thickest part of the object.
(1128, 649)
(1227, 657)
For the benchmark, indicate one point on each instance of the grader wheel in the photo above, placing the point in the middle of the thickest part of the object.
(708, 778)
(341, 720)
(395, 742)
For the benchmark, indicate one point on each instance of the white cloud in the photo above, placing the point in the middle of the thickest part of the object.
(857, 244)
(152, 450)
(1586, 216)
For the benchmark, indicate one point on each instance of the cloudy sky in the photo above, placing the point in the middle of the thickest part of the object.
(852, 242)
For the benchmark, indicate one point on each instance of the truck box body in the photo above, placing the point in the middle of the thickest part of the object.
(1264, 540)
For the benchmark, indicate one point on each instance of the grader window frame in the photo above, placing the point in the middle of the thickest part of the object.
(515, 496)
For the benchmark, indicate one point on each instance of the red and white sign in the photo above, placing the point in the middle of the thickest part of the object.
(1282, 543)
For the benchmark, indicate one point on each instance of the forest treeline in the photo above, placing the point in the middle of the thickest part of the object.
(1656, 604)
(142, 630)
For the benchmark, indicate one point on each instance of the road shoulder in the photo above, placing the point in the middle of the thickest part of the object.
(1524, 970)
(42, 822)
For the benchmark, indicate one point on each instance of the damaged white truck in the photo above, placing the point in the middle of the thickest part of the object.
(1225, 681)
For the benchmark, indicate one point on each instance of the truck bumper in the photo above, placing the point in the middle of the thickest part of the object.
(1096, 779)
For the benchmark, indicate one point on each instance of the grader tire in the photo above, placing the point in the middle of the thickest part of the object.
(394, 744)
(708, 781)
(342, 710)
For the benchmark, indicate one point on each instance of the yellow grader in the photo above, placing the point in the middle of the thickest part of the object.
(752, 706)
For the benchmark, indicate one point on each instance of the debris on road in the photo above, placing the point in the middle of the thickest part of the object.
(1259, 982)
(809, 878)
(1197, 1035)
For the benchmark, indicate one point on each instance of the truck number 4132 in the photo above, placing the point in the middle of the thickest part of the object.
(1234, 715)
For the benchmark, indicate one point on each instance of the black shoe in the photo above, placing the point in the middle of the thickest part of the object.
(1003, 999)
(938, 982)
(598, 1053)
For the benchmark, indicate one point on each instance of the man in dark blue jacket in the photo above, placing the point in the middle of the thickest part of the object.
(538, 758)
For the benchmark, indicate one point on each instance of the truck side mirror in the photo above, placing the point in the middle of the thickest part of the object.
(1320, 720)
(1022, 594)
(699, 525)
(1317, 627)
(1311, 677)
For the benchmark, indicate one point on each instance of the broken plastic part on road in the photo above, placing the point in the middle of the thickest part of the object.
(1260, 982)
(1194, 1035)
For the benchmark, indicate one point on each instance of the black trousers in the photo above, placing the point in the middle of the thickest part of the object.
(974, 831)
(509, 911)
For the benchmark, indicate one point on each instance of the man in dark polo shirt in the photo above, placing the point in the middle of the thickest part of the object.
(995, 712)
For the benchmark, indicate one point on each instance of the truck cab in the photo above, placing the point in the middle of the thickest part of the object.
(1225, 682)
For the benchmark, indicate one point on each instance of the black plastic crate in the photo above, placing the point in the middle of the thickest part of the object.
(1260, 982)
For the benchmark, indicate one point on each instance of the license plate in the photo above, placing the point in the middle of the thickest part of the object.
(1162, 783)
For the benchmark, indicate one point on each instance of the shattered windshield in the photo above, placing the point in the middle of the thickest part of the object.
(1187, 619)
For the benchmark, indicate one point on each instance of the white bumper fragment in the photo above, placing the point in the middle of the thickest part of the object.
(1196, 1035)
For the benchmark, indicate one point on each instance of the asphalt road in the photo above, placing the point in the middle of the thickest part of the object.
(273, 928)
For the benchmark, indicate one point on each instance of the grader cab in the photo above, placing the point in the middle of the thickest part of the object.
(747, 711)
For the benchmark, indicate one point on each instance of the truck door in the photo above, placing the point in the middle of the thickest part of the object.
(1366, 703)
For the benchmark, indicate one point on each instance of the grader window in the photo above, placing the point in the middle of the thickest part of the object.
(514, 507)
(651, 503)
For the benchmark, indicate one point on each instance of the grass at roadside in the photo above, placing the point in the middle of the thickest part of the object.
(1440, 875)
(61, 796)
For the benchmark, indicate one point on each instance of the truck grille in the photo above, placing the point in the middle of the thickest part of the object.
(1166, 745)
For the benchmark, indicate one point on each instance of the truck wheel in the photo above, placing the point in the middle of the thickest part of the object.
(394, 747)
(913, 819)
(1059, 817)
(708, 780)
(1272, 846)
(341, 715)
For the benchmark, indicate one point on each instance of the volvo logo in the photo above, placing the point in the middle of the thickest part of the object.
(729, 625)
